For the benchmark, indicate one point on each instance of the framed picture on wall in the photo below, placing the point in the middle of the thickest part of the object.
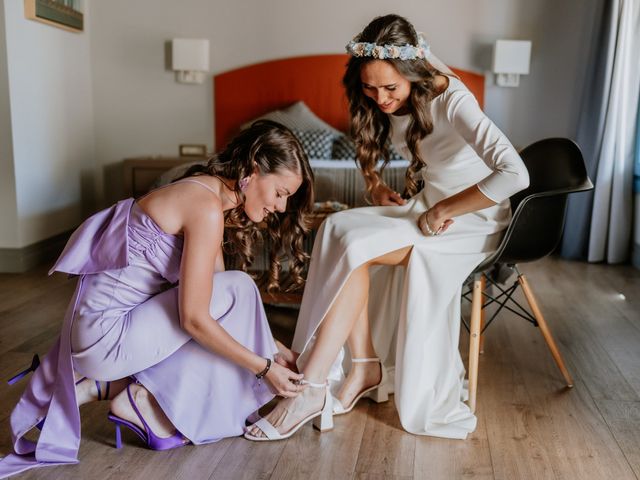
(191, 150)
(66, 14)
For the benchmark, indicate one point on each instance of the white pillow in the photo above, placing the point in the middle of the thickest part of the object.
(296, 117)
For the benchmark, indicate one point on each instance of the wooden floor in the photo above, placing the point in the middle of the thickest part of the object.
(529, 426)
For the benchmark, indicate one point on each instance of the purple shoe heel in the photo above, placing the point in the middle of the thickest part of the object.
(35, 363)
(151, 439)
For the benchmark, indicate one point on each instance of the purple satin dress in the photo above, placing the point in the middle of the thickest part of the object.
(123, 320)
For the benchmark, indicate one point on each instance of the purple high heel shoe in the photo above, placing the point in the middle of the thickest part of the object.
(35, 363)
(151, 439)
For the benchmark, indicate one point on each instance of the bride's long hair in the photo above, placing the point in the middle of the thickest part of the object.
(369, 125)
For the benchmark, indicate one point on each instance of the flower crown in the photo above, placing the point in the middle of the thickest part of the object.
(381, 52)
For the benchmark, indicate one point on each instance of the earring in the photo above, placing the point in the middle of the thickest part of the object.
(243, 182)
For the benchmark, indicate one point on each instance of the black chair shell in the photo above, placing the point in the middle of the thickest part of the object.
(556, 168)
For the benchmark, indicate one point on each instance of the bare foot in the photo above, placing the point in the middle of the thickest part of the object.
(87, 390)
(288, 412)
(148, 407)
(361, 376)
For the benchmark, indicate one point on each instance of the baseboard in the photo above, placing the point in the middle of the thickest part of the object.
(19, 260)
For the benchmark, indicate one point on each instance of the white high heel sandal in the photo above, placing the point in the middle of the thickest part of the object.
(378, 393)
(322, 420)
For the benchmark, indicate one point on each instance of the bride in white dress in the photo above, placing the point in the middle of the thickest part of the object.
(387, 279)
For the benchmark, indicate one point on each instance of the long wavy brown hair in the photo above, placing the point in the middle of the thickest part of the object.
(369, 125)
(272, 148)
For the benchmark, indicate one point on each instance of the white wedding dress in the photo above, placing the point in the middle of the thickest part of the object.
(415, 311)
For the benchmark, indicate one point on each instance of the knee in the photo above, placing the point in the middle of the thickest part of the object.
(95, 369)
(240, 283)
(339, 234)
(231, 288)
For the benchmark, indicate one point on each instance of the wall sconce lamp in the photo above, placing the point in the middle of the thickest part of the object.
(190, 59)
(511, 59)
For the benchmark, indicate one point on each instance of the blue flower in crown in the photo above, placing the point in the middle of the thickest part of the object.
(406, 52)
(368, 49)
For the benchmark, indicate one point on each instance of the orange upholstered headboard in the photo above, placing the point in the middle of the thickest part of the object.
(245, 93)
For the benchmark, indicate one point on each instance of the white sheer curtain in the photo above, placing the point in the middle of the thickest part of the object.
(611, 219)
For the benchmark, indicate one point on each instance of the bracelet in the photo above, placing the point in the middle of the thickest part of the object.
(430, 230)
(261, 374)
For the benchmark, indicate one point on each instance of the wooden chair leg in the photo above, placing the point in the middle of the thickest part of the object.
(474, 338)
(544, 329)
(482, 320)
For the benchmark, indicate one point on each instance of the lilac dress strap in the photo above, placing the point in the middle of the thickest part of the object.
(183, 180)
(191, 180)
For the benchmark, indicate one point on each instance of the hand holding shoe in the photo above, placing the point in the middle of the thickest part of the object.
(284, 382)
(286, 357)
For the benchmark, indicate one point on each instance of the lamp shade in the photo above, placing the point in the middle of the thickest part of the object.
(190, 54)
(512, 56)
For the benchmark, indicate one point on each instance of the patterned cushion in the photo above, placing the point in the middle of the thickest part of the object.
(296, 117)
(316, 143)
(393, 153)
(344, 149)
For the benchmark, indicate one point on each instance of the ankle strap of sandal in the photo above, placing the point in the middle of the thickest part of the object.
(313, 385)
(364, 360)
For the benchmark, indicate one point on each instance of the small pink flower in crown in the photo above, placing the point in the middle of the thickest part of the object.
(393, 51)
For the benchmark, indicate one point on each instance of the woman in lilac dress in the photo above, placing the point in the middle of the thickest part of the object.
(181, 347)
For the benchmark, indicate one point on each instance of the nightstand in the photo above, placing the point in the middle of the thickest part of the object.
(141, 172)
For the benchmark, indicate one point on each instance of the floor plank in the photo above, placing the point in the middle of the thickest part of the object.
(249, 460)
(386, 448)
(442, 458)
(328, 455)
(513, 430)
(623, 419)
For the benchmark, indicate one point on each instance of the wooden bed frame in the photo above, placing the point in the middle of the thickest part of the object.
(243, 94)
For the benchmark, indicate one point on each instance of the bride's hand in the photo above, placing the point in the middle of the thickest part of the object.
(384, 196)
(431, 224)
(284, 382)
(286, 357)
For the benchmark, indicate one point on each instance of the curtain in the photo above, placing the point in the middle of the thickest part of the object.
(636, 189)
(599, 222)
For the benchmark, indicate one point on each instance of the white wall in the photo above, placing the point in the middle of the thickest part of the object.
(8, 209)
(141, 110)
(51, 125)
